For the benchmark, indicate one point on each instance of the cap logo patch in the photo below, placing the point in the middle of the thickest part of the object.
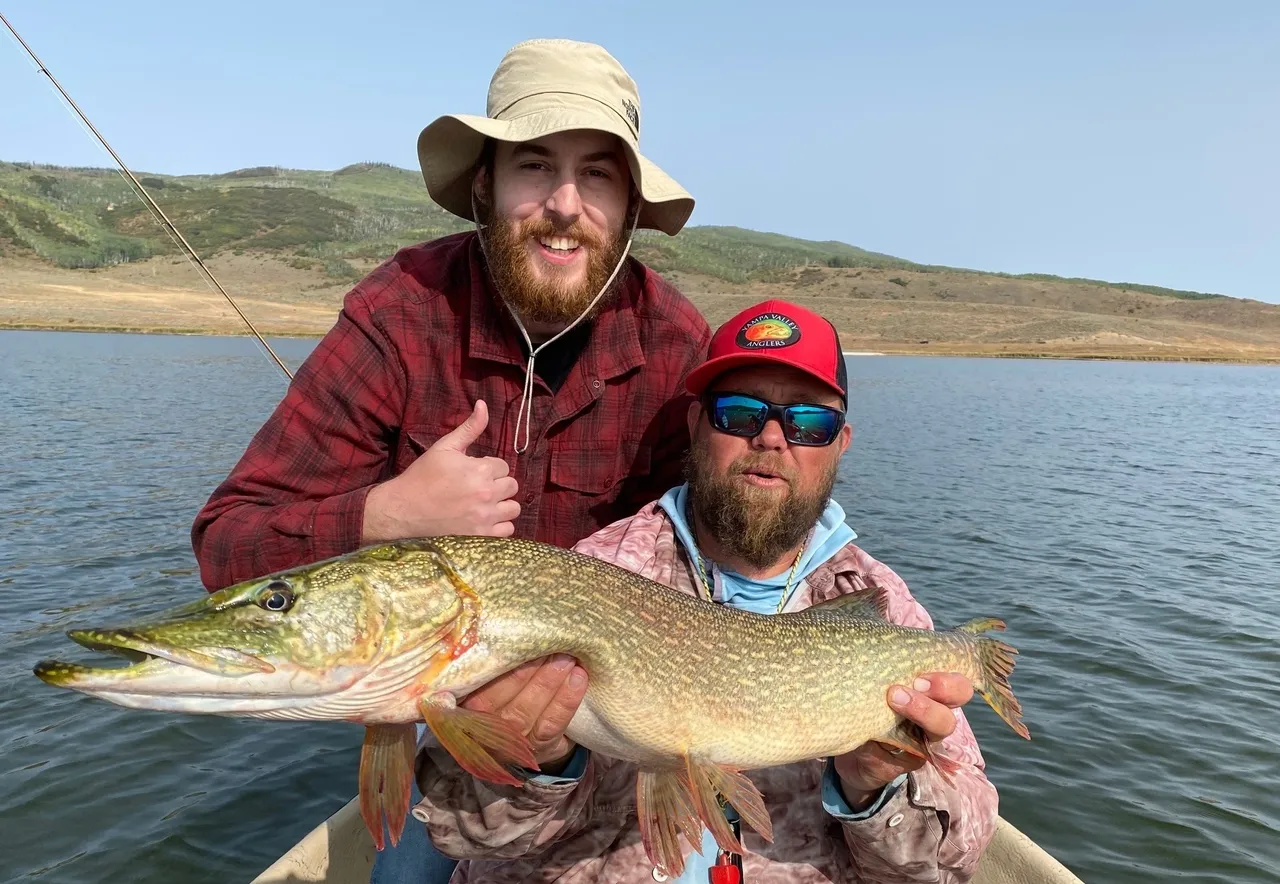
(768, 330)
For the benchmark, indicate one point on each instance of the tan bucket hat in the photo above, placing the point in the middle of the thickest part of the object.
(542, 87)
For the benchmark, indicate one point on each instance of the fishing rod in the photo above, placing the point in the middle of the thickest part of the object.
(168, 226)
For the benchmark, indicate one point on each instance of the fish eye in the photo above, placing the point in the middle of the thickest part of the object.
(276, 596)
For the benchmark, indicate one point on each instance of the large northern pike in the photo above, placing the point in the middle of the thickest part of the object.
(693, 692)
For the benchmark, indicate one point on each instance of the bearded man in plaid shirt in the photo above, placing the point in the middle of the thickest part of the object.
(525, 378)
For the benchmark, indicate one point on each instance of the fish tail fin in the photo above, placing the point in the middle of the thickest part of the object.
(386, 775)
(995, 665)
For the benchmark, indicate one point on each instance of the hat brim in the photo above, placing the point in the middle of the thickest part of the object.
(696, 381)
(450, 146)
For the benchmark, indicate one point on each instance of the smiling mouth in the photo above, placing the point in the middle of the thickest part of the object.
(559, 245)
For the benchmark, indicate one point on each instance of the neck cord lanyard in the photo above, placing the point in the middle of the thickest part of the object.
(705, 582)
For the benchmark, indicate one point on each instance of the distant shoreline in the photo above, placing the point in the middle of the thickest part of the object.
(942, 348)
(154, 330)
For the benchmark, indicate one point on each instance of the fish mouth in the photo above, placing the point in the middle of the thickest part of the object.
(146, 656)
(166, 677)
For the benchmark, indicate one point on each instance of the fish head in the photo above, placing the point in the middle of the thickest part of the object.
(272, 647)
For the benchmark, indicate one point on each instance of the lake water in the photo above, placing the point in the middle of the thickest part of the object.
(1124, 518)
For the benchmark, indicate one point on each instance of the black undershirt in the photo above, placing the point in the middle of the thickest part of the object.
(557, 360)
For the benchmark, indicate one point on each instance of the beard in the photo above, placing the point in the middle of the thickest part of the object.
(757, 525)
(547, 298)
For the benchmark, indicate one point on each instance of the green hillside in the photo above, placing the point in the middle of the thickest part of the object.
(88, 217)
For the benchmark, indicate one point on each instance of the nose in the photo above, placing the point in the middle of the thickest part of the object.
(565, 202)
(770, 438)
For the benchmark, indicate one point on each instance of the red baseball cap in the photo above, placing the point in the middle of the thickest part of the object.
(775, 332)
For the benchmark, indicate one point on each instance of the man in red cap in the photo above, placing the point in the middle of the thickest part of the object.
(754, 527)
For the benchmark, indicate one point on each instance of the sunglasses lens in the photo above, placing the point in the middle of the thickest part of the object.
(807, 425)
(740, 415)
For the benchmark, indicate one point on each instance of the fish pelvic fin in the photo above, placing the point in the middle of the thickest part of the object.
(386, 774)
(995, 665)
(481, 742)
(717, 783)
(910, 738)
(664, 810)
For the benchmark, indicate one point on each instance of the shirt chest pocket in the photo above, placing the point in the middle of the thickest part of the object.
(413, 441)
(599, 470)
(410, 444)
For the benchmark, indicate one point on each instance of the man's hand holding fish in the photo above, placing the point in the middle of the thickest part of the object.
(539, 698)
(867, 770)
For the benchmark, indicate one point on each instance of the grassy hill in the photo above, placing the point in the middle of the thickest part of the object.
(300, 237)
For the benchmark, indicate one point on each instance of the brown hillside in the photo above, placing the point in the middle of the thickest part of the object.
(898, 311)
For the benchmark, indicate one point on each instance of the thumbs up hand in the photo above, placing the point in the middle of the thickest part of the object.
(445, 491)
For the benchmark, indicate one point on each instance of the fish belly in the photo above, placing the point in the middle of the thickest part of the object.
(636, 720)
(594, 732)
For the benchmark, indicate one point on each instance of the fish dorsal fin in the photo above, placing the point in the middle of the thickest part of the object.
(871, 603)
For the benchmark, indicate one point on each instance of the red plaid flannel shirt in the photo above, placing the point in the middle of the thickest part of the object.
(418, 341)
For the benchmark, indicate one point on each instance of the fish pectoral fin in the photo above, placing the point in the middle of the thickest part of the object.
(871, 603)
(910, 738)
(665, 809)
(480, 742)
(386, 774)
(710, 783)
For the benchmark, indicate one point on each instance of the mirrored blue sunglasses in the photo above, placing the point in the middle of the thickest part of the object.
(741, 415)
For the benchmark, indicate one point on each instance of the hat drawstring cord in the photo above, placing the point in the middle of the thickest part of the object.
(526, 395)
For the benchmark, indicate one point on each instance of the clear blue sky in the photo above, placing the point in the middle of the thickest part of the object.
(1128, 141)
